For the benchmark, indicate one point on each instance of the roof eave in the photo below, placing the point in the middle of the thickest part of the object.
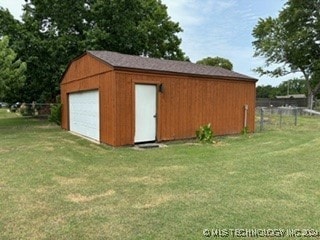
(100, 59)
(141, 70)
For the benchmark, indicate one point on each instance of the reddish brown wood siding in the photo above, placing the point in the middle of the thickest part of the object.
(107, 108)
(87, 73)
(186, 103)
(124, 117)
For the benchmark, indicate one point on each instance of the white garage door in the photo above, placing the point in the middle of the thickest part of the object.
(84, 114)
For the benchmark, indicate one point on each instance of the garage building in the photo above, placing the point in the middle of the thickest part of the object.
(120, 99)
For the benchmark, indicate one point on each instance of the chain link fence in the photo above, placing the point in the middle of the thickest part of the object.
(41, 110)
(268, 118)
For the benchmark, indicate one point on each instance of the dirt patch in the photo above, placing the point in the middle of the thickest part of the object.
(69, 181)
(4, 150)
(155, 202)
(67, 141)
(67, 159)
(172, 168)
(49, 148)
(41, 190)
(220, 144)
(78, 198)
(295, 176)
(193, 144)
(2, 185)
(147, 180)
(46, 127)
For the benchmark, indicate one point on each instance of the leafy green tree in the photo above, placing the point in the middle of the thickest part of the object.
(216, 61)
(293, 86)
(266, 91)
(51, 35)
(8, 25)
(53, 32)
(292, 41)
(139, 27)
(11, 72)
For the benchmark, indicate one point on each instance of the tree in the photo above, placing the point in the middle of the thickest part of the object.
(11, 72)
(216, 61)
(292, 40)
(53, 32)
(293, 86)
(266, 91)
(139, 27)
(9, 25)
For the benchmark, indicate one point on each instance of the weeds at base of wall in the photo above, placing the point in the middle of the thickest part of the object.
(245, 131)
(205, 134)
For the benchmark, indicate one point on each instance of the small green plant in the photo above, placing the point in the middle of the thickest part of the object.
(55, 115)
(245, 131)
(205, 134)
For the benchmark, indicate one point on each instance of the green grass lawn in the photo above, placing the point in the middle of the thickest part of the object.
(54, 185)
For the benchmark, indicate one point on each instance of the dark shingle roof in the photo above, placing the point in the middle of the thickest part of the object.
(119, 60)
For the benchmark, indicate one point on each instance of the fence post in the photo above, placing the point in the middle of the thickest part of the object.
(280, 111)
(295, 116)
(261, 119)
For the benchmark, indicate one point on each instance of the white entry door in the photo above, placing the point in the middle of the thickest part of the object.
(84, 114)
(145, 112)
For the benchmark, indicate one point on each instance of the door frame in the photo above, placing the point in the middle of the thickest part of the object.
(156, 84)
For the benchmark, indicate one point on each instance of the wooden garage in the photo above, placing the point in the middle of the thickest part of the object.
(121, 99)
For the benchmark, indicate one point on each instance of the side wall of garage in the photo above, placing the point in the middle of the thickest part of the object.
(186, 103)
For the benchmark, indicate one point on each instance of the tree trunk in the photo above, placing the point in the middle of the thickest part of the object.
(310, 92)
(310, 100)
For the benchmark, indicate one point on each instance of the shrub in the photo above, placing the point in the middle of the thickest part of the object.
(205, 134)
(55, 115)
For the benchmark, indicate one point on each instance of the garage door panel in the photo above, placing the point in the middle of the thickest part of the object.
(84, 114)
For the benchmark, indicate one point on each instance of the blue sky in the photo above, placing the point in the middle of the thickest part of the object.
(214, 28)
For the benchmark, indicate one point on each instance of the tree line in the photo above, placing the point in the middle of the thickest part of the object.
(290, 87)
(52, 32)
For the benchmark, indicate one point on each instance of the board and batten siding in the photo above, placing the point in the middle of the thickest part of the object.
(185, 104)
(84, 74)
